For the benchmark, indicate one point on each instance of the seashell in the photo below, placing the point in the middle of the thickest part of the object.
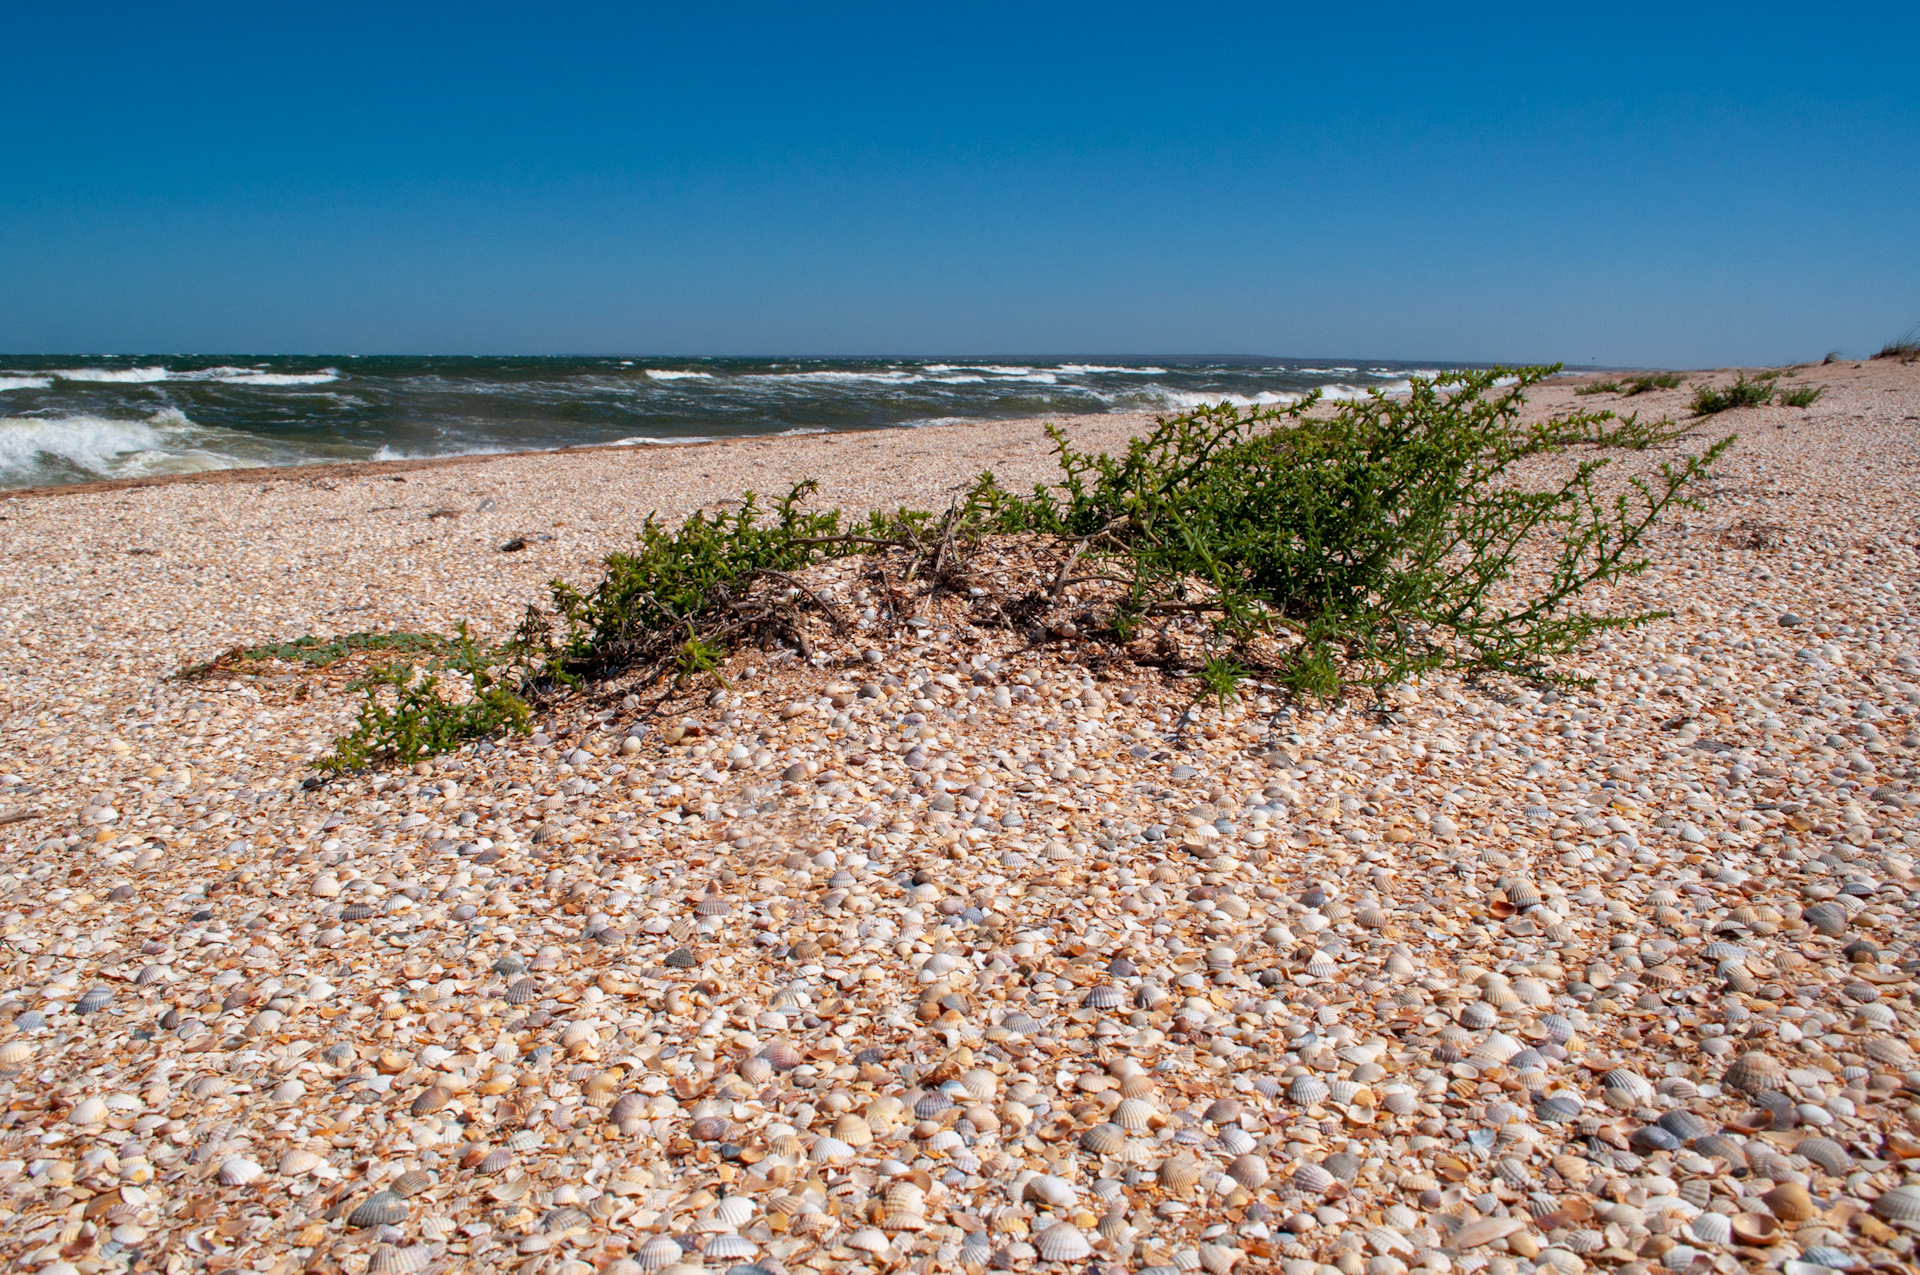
(1307, 1091)
(1400, 1100)
(1250, 1171)
(1724, 1148)
(1054, 1192)
(1899, 1207)
(1223, 1110)
(1826, 1153)
(1312, 1179)
(297, 1162)
(1134, 1114)
(708, 1129)
(830, 1150)
(410, 1183)
(1891, 1051)
(1874, 1014)
(388, 1260)
(1628, 1084)
(1104, 996)
(1827, 917)
(88, 1111)
(1697, 1192)
(1790, 1202)
(660, 1251)
(756, 1070)
(1711, 1228)
(1757, 1228)
(1104, 1140)
(731, 1248)
(1684, 1125)
(522, 992)
(1178, 1175)
(1513, 1173)
(238, 1171)
(382, 1208)
(713, 905)
(868, 1240)
(564, 1220)
(1218, 1259)
(932, 1104)
(497, 1161)
(94, 999)
(628, 1106)
(1139, 1086)
(1234, 1140)
(1478, 1015)
(679, 959)
(853, 1129)
(782, 1056)
(1756, 1073)
(1062, 1242)
(980, 1083)
(1342, 1165)
(523, 1140)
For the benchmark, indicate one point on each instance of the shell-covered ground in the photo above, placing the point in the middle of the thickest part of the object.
(944, 951)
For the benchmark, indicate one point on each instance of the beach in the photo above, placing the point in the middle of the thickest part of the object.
(941, 954)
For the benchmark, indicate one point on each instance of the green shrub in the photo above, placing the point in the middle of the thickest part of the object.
(1633, 384)
(1376, 537)
(1804, 396)
(412, 713)
(1599, 387)
(1351, 544)
(1708, 401)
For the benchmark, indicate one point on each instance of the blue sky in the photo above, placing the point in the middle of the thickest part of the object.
(1671, 185)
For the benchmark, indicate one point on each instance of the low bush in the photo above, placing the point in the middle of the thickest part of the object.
(1802, 396)
(1906, 348)
(1328, 546)
(1710, 401)
(1634, 384)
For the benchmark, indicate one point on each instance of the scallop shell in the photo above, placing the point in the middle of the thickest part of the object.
(1628, 1084)
(1312, 1179)
(1062, 1242)
(1178, 1175)
(868, 1240)
(1054, 1192)
(1826, 1153)
(661, 1250)
(1711, 1228)
(782, 1055)
(1104, 996)
(1307, 1091)
(1790, 1202)
(238, 1171)
(980, 1083)
(15, 1053)
(853, 1129)
(830, 1150)
(628, 1106)
(495, 1161)
(731, 1248)
(382, 1208)
(388, 1260)
(299, 1161)
(411, 1183)
(1134, 1114)
(1890, 1051)
(1104, 1139)
(94, 999)
(1250, 1171)
(1899, 1207)
(1756, 1073)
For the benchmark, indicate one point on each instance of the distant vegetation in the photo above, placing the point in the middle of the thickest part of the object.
(1634, 384)
(1709, 400)
(1906, 349)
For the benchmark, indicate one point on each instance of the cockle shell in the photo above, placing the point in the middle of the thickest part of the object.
(1062, 1242)
(238, 1171)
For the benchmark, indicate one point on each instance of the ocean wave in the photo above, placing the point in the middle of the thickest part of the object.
(390, 452)
(25, 382)
(848, 378)
(278, 378)
(643, 440)
(53, 449)
(1084, 369)
(113, 375)
(668, 374)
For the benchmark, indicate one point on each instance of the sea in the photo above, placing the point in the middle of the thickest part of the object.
(69, 419)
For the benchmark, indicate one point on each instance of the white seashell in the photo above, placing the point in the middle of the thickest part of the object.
(1711, 1228)
(657, 1252)
(1062, 1242)
(1055, 1193)
(868, 1239)
(88, 1111)
(731, 1248)
(238, 1170)
(298, 1161)
(1134, 1114)
(830, 1150)
(736, 1211)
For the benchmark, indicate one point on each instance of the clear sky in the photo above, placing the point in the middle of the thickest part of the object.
(1672, 185)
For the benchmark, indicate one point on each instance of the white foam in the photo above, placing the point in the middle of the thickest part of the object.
(119, 375)
(878, 378)
(668, 374)
(1083, 369)
(278, 378)
(36, 449)
(641, 440)
(1191, 400)
(25, 382)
